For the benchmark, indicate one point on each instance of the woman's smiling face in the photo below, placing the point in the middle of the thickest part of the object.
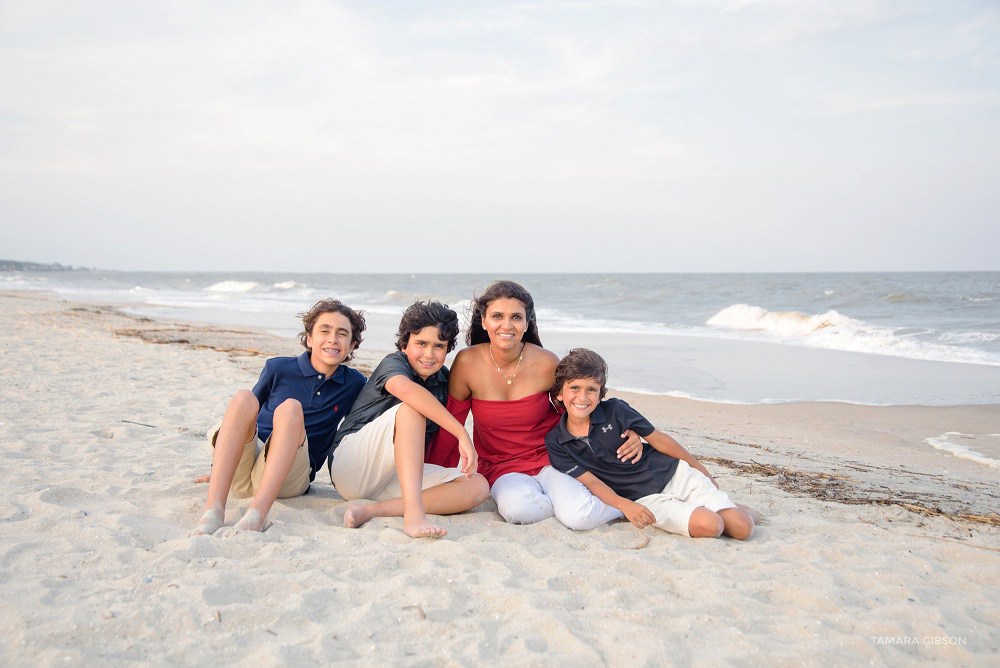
(505, 320)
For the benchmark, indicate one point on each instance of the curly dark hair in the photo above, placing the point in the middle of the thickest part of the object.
(427, 314)
(580, 363)
(501, 290)
(309, 318)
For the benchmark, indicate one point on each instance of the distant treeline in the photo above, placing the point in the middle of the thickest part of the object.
(14, 265)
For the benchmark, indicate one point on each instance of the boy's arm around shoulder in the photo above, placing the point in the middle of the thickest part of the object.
(636, 513)
(421, 400)
(669, 446)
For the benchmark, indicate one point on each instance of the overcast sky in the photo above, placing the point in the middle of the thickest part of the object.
(699, 135)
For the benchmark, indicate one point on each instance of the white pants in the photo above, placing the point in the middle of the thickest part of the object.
(525, 499)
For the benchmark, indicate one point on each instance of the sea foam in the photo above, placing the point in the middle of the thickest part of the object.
(835, 331)
(943, 442)
(232, 286)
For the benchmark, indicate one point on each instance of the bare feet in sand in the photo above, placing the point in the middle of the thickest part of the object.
(358, 514)
(210, 522)
(423, 529)
(251, 521)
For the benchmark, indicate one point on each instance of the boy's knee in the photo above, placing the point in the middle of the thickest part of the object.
(479, 486)
(583, 517)
(408, 418)
(738, 525)
(705, 524)
(244, 401)
(289, 409)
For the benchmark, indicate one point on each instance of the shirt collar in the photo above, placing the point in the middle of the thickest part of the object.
(597, 417)
(306, 367)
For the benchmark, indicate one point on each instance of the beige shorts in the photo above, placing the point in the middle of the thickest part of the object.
(250, 470)
(364, 464)
(688, 490)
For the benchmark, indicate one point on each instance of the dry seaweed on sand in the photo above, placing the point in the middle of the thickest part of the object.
(829, 487)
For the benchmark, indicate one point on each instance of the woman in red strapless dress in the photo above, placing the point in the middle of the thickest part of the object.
(504, 377)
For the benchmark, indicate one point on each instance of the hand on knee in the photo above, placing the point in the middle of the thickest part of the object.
(705, 524)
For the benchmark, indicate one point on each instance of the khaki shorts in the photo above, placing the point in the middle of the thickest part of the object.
(688, 490)
(250, 470)
(364, 464)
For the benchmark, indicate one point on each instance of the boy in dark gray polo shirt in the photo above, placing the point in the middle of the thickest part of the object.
(666, 487)
(379, 450)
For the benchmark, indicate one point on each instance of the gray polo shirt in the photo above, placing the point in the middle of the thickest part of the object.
(374, 399)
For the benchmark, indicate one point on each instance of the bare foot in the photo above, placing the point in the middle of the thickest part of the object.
(356, 515)
(423, 529)
(251, 521)
(210, 522)
(204, 478)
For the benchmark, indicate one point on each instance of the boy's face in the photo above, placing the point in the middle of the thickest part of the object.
(426, 352)
(580, 396)
(505, 321)
(330, 342)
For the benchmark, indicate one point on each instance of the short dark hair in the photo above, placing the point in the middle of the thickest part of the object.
(427, 314)
(501, 290)
(310, 317)
(581, 363)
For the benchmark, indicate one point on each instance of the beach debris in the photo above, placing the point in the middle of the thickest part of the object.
(141, 424)
(952, 540)
(419, 610)
(836, 488)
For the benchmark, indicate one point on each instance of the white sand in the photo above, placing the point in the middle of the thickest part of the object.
(101, 435)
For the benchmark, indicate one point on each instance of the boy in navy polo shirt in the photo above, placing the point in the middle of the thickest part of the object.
(273, 439)
(666, 488)
(379, 450)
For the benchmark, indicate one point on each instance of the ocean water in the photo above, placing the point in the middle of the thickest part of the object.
(878, 338)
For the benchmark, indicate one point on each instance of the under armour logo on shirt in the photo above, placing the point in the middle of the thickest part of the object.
(606, 428)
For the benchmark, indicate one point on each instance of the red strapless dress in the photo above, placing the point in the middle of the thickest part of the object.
(509, 435)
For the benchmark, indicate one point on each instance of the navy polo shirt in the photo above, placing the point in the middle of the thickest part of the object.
(324, 400)
(375, 399)
(598, 452)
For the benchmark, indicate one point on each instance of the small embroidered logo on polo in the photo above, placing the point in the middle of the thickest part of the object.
(606, 428)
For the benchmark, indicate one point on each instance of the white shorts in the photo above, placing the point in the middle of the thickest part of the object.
(364, 464)
(688, 490)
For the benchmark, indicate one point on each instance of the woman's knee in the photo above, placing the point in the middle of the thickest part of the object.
(705, 524)
(522, 504)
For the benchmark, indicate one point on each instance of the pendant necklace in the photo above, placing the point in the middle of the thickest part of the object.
(520, 356)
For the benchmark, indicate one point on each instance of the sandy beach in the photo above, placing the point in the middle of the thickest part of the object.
(872, 546)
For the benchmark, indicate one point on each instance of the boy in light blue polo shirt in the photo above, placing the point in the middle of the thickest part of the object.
(273, 439)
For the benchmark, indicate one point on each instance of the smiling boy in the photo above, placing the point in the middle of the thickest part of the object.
(273, 439)
(666, 488)
(379, 450)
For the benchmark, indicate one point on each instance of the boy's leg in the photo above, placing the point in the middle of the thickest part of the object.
(408, 452)
(572, 502)
(239, 425)
(448, 498)
(739, 524)
(287, 437)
